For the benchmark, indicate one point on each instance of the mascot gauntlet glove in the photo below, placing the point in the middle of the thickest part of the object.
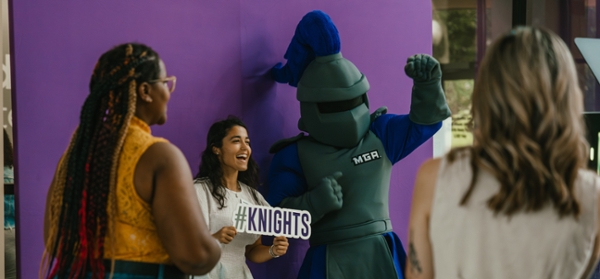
(327, 196)
(428, 102)
(324, 198)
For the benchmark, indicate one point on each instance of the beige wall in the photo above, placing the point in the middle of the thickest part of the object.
(5, 81)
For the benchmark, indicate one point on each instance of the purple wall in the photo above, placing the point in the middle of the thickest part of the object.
(220, 52)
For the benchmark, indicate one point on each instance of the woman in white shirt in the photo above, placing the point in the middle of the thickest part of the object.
(227, 177)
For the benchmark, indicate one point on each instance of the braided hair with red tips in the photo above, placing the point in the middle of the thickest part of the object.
(83, 194)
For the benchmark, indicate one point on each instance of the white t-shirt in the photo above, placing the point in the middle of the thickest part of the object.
(233, 261)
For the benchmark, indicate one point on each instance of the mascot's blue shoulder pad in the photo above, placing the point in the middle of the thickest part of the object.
(379, 112)
(281, 144)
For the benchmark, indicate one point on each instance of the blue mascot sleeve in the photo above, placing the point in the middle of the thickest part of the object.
(285, 172)
(401, 136)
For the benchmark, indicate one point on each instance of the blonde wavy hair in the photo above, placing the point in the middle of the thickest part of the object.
(529, 130)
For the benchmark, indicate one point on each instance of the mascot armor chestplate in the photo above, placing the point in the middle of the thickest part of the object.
(365, 184)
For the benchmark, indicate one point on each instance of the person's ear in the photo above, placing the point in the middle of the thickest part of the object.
(143, 92)
(216, 150)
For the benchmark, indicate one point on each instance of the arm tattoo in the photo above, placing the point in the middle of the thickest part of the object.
(412, 257)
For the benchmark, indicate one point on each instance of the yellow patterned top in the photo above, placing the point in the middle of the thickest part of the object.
(135, 238)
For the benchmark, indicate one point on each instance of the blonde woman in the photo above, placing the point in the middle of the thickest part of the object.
(519, 203)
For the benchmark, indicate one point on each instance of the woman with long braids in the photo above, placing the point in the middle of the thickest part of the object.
(227, 177)
(122, 202)
(520, 202)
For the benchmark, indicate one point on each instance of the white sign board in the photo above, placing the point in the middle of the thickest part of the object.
(273, 221)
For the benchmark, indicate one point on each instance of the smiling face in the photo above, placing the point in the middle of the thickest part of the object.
(235, 151)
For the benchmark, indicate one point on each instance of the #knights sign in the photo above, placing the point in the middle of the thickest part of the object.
(273, 221)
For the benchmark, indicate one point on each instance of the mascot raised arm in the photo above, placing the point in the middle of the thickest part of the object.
(340, 170)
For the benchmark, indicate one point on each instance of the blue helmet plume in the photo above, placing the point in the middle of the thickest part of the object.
(315, 35)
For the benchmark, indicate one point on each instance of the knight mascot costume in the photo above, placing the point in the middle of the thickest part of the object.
(340, 171)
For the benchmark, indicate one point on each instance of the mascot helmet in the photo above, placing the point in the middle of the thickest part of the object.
(334, 107)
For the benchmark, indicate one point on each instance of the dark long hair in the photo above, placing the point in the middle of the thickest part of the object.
(86, 176)
(210, 166)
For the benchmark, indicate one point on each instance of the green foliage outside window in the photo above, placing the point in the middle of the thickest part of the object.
(457, 50)
(461, 27)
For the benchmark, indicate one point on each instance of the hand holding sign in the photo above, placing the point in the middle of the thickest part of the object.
(280, 246)
(225, 234)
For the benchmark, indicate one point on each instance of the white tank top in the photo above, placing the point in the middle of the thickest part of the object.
(470, 242)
